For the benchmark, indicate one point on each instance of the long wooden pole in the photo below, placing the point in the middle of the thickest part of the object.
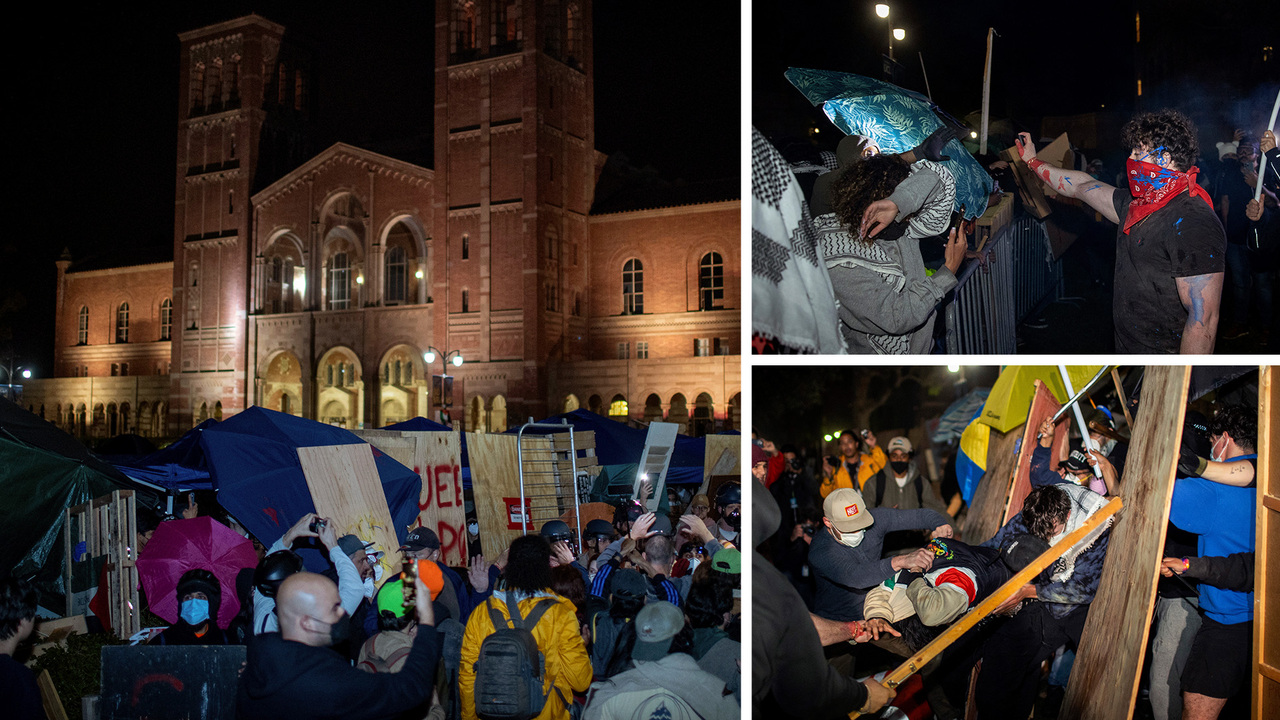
(922, 657)
(986, 95)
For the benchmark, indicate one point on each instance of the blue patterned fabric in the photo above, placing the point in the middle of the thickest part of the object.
(894, 119)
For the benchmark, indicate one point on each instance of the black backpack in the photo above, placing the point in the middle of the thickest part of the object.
(510, 668)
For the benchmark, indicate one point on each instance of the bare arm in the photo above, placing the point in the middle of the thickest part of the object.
(1200, 295)
(1069, 183)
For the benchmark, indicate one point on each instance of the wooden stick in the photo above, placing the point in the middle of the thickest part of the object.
(1124, 401)
(914, 663)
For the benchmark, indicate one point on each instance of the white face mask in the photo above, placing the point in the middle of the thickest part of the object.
(1106, 446)
(368, 587)
(473, 528)
(693, 564)
(1216, 456)
(853, 539)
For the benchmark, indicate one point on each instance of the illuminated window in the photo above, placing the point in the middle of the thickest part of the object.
(1139, 87)
(122, 323)
(166, 319)
(618, 408)
(633, 287)
(702, 347)
(466, 246)
(506, 22)
(339, 282)
(710, 281)
(642, 350)
(464, 26)
(82, 335)
(1137, 27)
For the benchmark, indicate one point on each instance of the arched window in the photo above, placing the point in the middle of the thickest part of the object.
(710, 281)
(464, 26)
(633, 287)
(506, 22)
(573, 35)
(122, 323)
(166, 319)
(397, 277)
(618, 408)
(82, 333)
(339, 282)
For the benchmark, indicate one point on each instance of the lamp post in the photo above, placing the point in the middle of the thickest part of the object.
(442, 384)
(9, 370)
(883, 11)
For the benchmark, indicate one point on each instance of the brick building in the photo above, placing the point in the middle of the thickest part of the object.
(321, 286)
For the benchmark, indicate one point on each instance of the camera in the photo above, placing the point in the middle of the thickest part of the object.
(808, 529)
(317, 525)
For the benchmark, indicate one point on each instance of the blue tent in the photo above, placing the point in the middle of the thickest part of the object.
(419, 424)
(180, 466)
(253, 459)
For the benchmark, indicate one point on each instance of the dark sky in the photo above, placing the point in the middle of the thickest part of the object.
(94, 95)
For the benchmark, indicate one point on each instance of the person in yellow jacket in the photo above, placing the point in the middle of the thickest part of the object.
(857, 459)
(527, 578)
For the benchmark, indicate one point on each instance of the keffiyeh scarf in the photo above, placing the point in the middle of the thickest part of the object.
(842, 249)
(1084, 503)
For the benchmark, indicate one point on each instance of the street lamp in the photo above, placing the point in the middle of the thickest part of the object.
(442, 385)
(883, 11)
(9, 370)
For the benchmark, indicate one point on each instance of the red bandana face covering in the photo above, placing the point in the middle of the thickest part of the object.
(1153, 187)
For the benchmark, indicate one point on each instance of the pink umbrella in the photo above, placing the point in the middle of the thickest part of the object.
(181, 545)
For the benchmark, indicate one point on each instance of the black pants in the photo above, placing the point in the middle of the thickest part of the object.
(1012, 655)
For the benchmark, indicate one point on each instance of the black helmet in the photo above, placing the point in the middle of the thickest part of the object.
(273, 569)
(599, 528)
(557, 530)
(201, 580)
(729, 494)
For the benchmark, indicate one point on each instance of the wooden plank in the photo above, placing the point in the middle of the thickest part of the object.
(346, 488)
(438, 461)
(987, 509)
(1043, 406)
(53, 708)
(495, 477)
(1104, 679)
(913, 664)
(1122, 398)
(1266, 609)
(723, 457)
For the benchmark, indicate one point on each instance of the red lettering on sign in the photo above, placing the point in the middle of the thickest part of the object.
(449, 541)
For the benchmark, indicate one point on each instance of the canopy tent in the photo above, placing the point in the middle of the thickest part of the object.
(180, 466)
(253, 459)
(43, 471)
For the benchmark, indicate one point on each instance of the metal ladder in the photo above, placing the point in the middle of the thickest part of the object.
(548, 476)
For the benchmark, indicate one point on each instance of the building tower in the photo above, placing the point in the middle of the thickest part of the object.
(515, 141)
(243, 97)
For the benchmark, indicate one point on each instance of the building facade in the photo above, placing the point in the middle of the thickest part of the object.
(341, 286)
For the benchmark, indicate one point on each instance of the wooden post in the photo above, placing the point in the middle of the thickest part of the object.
(1266, 606)
(1104, 679)
(987, 508)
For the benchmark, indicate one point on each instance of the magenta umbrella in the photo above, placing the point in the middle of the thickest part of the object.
(181, 545)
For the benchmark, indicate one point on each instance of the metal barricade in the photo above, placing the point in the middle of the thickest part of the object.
(1012, 275)
(548, 475)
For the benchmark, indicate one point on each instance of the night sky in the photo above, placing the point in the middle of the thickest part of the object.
(94, 94)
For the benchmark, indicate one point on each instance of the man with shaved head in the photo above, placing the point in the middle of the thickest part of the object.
(295, 674)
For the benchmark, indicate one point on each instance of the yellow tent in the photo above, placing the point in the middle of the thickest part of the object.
(1010, 399)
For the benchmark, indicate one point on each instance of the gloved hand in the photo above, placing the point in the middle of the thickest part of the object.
(931, 148)
(1191, 464)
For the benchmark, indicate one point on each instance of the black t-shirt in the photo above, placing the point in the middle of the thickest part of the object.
(19, 690)
(1182, 239)
(1238, 191)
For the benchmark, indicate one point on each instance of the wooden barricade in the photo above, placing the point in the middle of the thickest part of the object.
(722, 462)
(105, 528)
(1043, 406)
(989, 500)
(346, 488)
(1266, 590)
(916, 662)
(1104, 679)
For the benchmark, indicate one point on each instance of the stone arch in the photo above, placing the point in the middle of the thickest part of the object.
(126, 418)
(477, 419)
(570, 403)
(679, 412)
(340, 385)
(284, 281)
(733, 420)
(416, 244)
(113, 420)
(595, 404)
(652, 408)
(498, 414)
(282, 383)
(704, 415)
(402, 384)
(618, 408)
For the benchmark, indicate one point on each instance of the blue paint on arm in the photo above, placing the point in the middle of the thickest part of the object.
(1195, 291)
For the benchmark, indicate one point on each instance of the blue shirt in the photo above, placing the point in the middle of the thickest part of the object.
(1225, 519)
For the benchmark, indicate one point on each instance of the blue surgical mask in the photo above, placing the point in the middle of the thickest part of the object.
(194, 611)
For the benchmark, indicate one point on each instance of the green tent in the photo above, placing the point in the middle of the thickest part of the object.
(43, 471)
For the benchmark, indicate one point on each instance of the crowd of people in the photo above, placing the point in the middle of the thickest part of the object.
(838, 242)
(868, 558)
(641, 621)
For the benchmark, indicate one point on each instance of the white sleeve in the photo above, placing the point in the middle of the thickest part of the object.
(350, 586)
(264, 614)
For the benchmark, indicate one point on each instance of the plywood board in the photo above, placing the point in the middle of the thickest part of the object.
(174, 681)
(346, 488)
(987, 509)
(49, 697)
(1030, 189)
(1058, 154)
(1104, 680)
(723, 457)
(438, 461)
(495, 477)
(1266, 587)
(1043, 406)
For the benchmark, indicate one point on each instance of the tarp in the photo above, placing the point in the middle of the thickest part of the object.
(419, 424)
(958, 415)
(1010, 399)
(180, 466)
(253, 458)
(43, 471)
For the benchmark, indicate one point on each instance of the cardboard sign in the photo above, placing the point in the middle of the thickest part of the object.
(176, 681)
